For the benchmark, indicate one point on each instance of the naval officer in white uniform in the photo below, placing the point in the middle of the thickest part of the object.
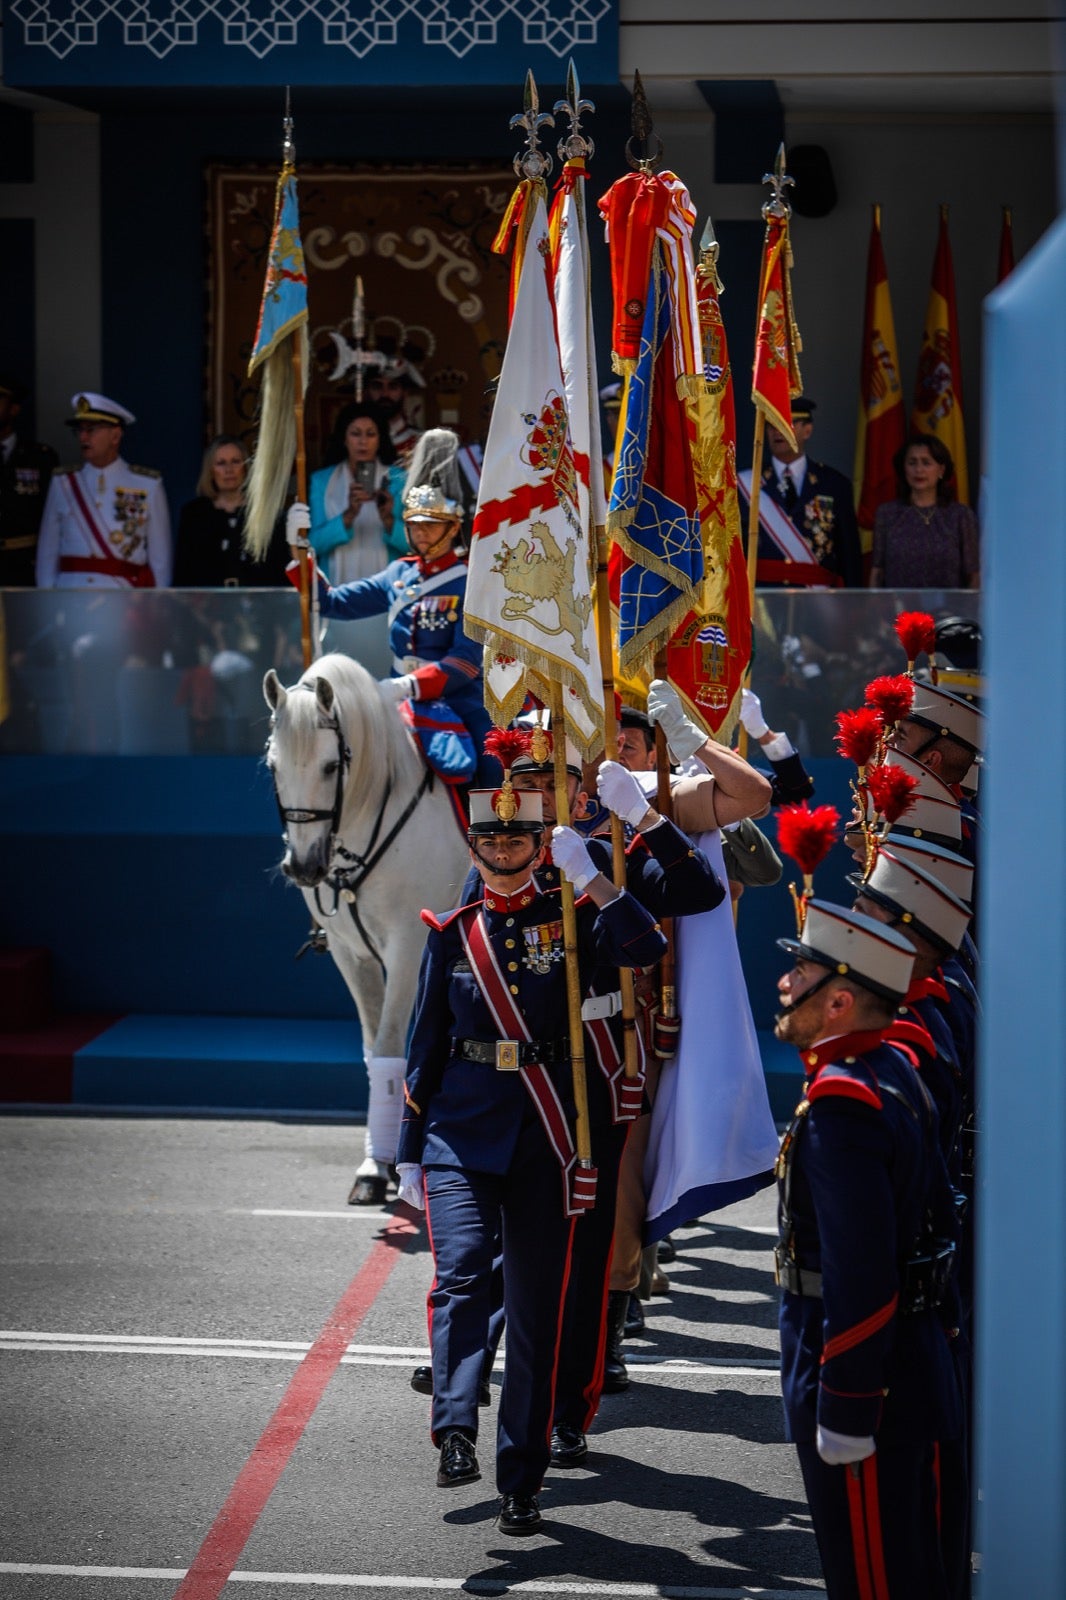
(105, 524)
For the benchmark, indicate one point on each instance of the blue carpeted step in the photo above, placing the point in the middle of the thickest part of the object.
(232, 1063)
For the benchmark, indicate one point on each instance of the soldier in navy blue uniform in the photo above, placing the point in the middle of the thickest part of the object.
(670, 879)
(946, 733)
(816, 499)
(489, 1109)
(866, 1238)
(436, 668)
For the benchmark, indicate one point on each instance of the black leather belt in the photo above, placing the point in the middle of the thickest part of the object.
(507, 1055)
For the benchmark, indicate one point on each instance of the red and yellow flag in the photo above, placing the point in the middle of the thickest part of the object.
(775, 374)
(882, 423)
(938, 390)
(1005, 264)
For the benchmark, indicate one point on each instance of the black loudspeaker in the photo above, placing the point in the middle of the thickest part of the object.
(815, 193)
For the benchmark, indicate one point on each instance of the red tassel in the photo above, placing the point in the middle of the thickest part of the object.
(859, 733)
(807, 836)
(892, 791)
(892, 696)
(916, 632)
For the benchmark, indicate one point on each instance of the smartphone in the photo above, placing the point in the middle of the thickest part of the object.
(364, 474)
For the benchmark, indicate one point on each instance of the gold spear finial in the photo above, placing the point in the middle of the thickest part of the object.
(643, 132)
(575, 146)
(532, 162)
(777, 205)
(708, 262)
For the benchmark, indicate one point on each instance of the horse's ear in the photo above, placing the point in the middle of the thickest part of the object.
(324, 696)
(274, 693)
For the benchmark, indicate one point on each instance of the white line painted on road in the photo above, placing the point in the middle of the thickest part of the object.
(352, 1214)
(412, 1585)
(356, 1355)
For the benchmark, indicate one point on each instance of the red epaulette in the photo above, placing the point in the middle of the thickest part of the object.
(835, 1080)
(445, 919)
(903, 1031)
(638, 842)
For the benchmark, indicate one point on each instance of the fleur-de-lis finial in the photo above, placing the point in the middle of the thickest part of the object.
(288, 148)
(777, 205)
(532, 162)
(575, 146)
(643, 132)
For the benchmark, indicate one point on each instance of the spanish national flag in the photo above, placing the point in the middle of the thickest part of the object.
(882, 424)
(938, 390)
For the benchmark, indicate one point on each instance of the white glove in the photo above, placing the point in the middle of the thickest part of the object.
(297, 522)
(840, 1449)
(621, 793)
(665, 709)
(411, 1184)
(394, 690)
(751, 714)
(571, 856)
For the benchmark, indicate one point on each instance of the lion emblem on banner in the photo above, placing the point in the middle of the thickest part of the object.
(538, 570)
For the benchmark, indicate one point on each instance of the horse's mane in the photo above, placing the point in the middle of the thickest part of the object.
(375, 733)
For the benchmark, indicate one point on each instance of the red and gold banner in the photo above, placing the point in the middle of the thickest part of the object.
(775, 374)
(938, 390)
(882, 422)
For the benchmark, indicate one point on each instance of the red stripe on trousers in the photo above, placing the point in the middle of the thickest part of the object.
(873, 1528)
(859, 1550)
(558, 1330)
(232, 1528)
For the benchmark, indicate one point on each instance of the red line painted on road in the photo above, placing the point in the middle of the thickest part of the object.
(232, 1528)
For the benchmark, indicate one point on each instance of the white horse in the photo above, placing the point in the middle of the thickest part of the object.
(371, 839)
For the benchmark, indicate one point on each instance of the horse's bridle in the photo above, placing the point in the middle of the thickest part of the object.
(344, 760)
(346, 880)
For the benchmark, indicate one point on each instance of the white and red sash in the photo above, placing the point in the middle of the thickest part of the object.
(579, 1183)
(627, 1094)
(137, 573)
(783, 533)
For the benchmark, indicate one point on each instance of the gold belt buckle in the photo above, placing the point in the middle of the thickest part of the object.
(506, 1055)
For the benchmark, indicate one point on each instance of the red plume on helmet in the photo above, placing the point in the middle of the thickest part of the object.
(916, 632)
(506, 744)
(892, 792)
(892, 696)
(807, 836)
(859, 735)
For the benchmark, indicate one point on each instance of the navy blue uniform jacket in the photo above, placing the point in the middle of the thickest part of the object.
(461, 1113)
(866, 1170)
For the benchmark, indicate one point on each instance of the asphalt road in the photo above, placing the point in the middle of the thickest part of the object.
(176, 1298)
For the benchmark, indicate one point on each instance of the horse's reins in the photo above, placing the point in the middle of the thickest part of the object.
(346, 881)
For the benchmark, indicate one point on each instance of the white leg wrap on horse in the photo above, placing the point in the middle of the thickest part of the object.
(385, 1110)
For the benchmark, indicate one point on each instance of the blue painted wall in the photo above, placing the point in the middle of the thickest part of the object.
(153, 881)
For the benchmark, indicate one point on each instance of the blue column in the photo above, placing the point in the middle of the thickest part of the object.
(1021, 1380)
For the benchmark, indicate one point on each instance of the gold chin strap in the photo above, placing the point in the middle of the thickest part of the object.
(435, 549)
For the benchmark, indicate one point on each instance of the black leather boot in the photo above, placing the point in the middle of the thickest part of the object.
(615, 1374)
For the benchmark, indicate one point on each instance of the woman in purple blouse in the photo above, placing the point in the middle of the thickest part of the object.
(924, 539)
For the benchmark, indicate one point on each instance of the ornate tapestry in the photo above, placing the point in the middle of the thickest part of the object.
(435, 296)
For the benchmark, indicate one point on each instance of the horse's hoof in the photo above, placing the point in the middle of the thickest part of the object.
(368, 1192)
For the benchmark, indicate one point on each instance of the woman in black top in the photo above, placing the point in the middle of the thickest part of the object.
(210, 552)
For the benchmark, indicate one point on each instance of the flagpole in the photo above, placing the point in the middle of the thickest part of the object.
(666, 1029)
(582, 1139)
(775, 207)
(577, 147)
(288, 157)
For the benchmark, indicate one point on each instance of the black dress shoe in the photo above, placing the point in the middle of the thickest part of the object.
(634, 1322)
(458, 1462)
(615, 1372)
(520, 1514)
(667, 1251)
(368, 1192)
(422, 1383)
(569, 1446)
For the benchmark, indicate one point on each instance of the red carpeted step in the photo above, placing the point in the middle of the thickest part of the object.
(37, 1064)
(25, 986)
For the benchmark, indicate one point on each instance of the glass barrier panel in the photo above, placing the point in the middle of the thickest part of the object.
(180, 671)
